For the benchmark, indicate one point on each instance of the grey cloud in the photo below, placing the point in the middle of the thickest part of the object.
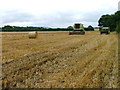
(66, 18)
(53, 19)
(57, 19)
(16, 16)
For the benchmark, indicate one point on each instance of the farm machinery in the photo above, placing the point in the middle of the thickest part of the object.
(105, 30)
(78, 29)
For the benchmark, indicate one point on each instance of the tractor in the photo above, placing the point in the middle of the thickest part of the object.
(105, 30)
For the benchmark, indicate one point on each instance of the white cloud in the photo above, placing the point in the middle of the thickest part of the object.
(20, 23)
(55, 13)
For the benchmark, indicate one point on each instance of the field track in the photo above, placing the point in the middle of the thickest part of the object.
(59, 60)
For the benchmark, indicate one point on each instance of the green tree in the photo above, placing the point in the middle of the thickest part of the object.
(90, 28)
(109, 20)
(70, 27)
(105, 20)
(7, 27)
(118, 28)
(117, 17)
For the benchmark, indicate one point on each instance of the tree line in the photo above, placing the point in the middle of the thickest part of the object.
(112, 21)
(30, 28)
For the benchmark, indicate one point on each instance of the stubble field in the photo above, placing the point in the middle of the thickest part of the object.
(59, 60)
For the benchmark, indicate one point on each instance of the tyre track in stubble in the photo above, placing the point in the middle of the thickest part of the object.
(16, 67)
(88, 51)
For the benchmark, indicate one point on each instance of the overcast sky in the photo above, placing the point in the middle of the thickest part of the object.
(54, 13)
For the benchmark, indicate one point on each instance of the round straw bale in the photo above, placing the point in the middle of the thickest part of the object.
(32, 34)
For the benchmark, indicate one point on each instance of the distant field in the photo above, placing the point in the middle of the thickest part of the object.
(58, 60)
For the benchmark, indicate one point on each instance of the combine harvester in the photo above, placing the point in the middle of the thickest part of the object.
(78, 29)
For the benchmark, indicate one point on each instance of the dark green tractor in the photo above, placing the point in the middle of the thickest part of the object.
(105, 30)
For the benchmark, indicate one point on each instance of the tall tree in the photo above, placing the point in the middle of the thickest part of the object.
(70, 27)
(90, 28)
(118, 27)
(109, 20)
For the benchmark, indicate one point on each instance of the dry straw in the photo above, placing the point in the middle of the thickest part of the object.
(32, 35)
